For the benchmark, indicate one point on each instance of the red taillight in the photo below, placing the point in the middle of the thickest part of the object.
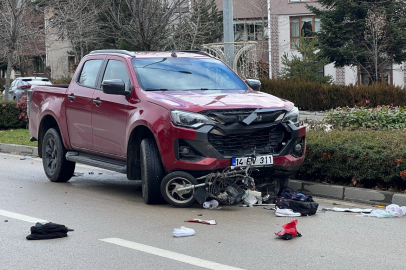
(27, 86)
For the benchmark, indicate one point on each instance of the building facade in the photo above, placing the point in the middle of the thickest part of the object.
(287, 19)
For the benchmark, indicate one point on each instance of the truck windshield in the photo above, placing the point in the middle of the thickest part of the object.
(162, 74)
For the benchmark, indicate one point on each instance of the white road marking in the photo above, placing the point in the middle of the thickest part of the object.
(169, 254)
(21, 217)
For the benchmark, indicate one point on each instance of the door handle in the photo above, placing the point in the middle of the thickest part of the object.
(71, 97)
(97, 101)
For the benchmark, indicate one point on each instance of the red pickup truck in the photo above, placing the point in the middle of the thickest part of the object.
(150, 114)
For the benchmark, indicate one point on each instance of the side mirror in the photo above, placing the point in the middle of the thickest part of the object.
(114, 87)
(254, 84)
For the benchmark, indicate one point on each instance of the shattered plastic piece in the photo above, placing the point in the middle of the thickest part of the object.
(286, 213)
(208, 222)
(183, 231)
(353, 210)
(289, 230)
(211, 204)
(378, 206)
(250, 199)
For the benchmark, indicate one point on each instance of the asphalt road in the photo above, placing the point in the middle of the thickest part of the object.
(114, 229)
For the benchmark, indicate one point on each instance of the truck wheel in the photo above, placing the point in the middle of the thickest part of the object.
(173, 181)
(283, 184)
(56, 167)
(152, 171)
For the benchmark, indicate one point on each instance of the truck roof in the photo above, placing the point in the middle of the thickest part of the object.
(155, 54)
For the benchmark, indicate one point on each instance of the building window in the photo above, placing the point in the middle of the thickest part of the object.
(305, 26)
(72, 64)
(385, 76)
(245, 30)
(320, 72)
(38, 64)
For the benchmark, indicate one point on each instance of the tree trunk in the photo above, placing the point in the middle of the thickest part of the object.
(8, 74)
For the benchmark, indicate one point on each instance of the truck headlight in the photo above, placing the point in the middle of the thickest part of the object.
(292, 116)
(190, 119)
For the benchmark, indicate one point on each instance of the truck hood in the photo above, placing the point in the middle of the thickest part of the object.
(198, 100)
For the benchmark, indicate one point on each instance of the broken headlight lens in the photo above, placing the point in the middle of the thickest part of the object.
(292, 116)
(189, 119)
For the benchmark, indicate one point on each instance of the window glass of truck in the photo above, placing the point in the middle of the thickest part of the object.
(185, 74)
(116, 70)
(89, 72)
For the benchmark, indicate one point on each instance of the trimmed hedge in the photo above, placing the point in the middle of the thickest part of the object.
(359, 158)
(13, 114)
(315, 96)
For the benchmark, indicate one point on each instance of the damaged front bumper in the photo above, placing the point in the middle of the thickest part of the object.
(211, 148)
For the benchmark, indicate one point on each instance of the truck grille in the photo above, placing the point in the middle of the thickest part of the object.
(237, 145)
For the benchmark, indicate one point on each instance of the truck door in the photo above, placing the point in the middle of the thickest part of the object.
(110, 112)
(79, 105)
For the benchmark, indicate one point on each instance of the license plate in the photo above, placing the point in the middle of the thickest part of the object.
(257, 161)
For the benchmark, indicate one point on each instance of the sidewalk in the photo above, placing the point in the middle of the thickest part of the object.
(363, 195)
(308, 115)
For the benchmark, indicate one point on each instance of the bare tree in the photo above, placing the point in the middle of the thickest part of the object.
(16, 29)
(375, 41)
(202, 24)
(145, 24)
(77, 21)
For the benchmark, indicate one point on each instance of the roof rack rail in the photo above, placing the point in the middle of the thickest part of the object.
(196, 52)
(114, 51)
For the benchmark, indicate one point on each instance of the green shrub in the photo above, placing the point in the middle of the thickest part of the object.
(13, 114)
(316, 96)
(62, 80)
(360, 158)
(380, 118)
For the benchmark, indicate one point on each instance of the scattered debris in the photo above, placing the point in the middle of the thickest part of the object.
(208, 222)
(297, 202)
(286, 213)
(183, 231)
(211, 204)
(353, 210)
(289, 230)
(76, 174)
(336, 203)
(91, 172)
(378, 206)
(392, 210)
(6, 220)
(48, 230)
(100, 173)
(199, 215)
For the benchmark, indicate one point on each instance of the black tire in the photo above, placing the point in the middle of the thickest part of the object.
(152, 171)
(283, 184)
(56, 167)
(181, 198)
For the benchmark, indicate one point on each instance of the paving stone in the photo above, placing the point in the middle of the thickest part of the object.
(324, 190)
(399, 199)
(25, 150)
(7, 148)
(368, 195)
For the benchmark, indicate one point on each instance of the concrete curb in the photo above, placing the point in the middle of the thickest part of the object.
(363, 195)
(19, 149)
